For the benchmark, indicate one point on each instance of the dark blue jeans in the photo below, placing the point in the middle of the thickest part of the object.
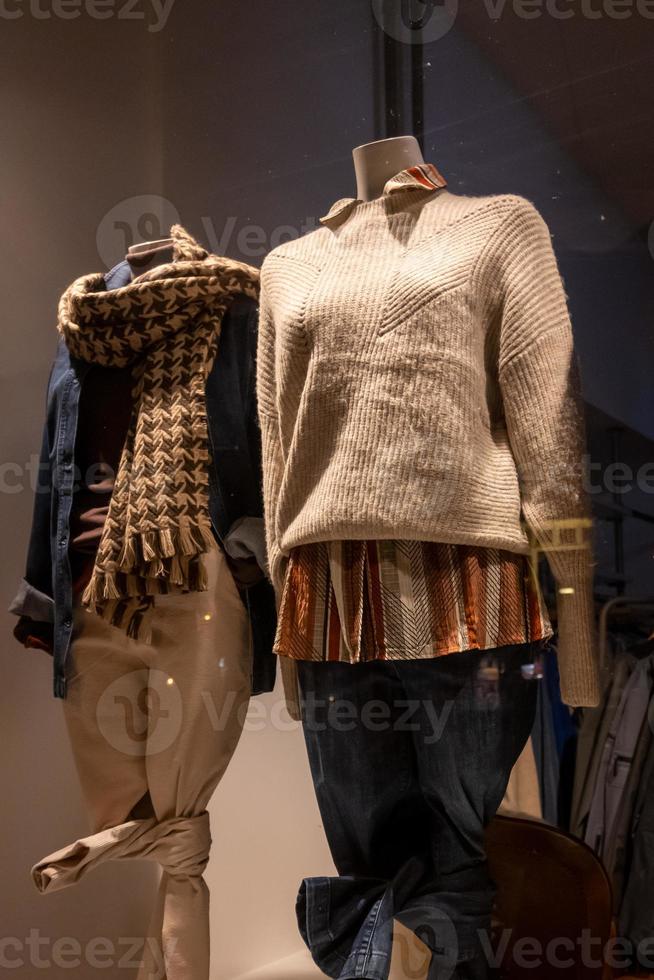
(410, 761)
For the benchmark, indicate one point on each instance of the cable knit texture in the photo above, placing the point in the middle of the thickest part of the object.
(417, 379)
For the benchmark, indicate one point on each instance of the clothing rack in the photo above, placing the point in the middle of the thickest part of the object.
(605, 613)
(611, 509)
(615, 512)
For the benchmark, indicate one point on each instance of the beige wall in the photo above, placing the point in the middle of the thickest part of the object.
(267, 837)
(56, 183)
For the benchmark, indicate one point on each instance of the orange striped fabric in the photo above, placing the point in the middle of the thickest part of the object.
(422, 175)
(399, 600)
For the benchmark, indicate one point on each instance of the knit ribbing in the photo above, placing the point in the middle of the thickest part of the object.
(417, 380)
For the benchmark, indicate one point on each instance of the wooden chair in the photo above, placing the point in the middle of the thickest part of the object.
(552, 889)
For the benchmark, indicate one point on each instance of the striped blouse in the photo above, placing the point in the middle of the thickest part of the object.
(399, 600)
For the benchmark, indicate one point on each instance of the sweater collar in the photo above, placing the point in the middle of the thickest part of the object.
(424, 177)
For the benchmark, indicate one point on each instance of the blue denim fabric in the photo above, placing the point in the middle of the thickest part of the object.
(410, 761)
(548, 763)
(45, 594)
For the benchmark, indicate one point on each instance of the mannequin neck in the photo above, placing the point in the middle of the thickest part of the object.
(147, 255)
(149, 246)
(375, 163)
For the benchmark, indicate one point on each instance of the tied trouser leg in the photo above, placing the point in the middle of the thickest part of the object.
(153, 728)
(410, 761)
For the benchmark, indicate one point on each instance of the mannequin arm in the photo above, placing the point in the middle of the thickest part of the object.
(272, 453)
(544, 417)
(33, 602)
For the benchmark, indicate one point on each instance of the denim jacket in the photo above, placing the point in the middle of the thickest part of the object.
(44, 601)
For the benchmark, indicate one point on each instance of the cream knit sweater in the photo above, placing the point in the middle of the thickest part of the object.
(417, 379)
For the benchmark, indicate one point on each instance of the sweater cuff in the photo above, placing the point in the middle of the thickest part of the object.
(578, 650)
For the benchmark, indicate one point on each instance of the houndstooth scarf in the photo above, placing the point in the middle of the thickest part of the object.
(166, 324)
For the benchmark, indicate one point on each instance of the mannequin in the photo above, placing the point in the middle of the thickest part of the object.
(147, 785)
(399, 345)
(375, 162)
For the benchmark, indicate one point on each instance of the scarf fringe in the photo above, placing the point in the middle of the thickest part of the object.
(133, 616)
(148, 552)
(153, 563)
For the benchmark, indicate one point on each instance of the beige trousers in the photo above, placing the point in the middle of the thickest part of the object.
(153, 728)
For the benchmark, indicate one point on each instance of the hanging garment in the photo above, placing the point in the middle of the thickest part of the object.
(417, 380)
(565, 731)
(616, 854)
(636, 917)
(153, 728)
(593, 732)
(618, 754)
(548, 763)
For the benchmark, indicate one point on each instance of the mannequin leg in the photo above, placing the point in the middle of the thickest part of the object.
(405, 803)
(183, 776)
(106, 719)
(153, 728)
(464, 759)
(376, 822)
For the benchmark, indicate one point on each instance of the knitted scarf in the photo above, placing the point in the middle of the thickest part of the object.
(166, 325)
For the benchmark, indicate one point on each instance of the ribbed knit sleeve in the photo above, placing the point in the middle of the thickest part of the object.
(542, 403)
(271, 449)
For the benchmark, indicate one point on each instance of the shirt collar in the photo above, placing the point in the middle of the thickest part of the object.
(424, 176)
